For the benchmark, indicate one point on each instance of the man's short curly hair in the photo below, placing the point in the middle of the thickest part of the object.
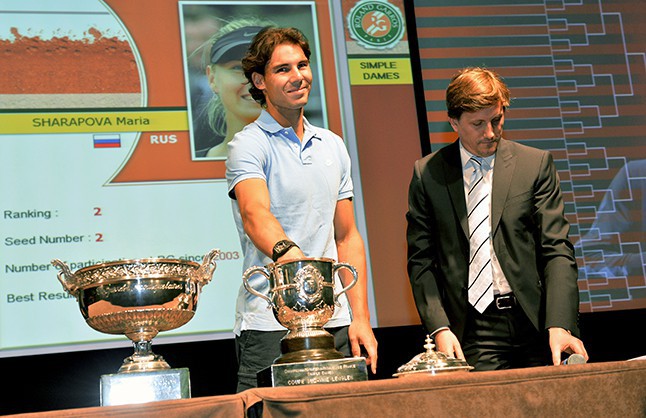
(260, 51)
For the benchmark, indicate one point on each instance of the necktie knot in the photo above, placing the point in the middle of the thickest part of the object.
(478, 172)
(479, 164)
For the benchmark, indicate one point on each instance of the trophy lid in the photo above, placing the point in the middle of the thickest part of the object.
(432, 362)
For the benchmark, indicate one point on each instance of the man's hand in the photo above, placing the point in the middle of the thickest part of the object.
(447, 342)
(561, 341)
(360, 334)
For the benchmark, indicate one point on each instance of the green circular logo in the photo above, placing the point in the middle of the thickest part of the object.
(376, 24)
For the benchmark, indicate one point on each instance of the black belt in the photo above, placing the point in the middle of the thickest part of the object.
(506, 301)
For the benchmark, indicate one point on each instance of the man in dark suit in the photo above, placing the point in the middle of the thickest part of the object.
(495, 284)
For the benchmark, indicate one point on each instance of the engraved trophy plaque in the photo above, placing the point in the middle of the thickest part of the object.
(139, 298)
(301, 295)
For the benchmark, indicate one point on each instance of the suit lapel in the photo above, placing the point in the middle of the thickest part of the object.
(455, 184)
(502, 177)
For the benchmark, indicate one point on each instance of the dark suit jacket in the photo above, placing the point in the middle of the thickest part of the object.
(530, 238)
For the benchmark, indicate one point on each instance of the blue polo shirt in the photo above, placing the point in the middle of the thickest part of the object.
(305, 181)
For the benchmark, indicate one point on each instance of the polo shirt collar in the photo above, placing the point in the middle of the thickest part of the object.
(269, 124)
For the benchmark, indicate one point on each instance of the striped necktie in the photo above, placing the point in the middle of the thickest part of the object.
(480, 276)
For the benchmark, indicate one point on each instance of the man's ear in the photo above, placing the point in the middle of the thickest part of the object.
(258, 81)
(454, 124)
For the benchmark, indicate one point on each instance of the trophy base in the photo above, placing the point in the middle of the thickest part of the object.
(309, 355)
(138, 364)
(298, 350)
(140, 387)
(352, 369)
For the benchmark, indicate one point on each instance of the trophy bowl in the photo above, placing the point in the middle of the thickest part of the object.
(138, 298)
(301, 294)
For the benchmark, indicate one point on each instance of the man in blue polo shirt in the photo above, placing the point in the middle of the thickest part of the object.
(291, 189)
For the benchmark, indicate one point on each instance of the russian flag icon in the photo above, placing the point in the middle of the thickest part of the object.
(107, 141)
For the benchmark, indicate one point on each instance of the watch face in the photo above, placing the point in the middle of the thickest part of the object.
(281, 246)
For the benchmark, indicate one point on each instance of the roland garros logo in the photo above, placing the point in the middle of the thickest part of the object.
(376, 24)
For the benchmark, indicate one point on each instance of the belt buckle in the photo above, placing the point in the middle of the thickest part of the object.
(505, 302)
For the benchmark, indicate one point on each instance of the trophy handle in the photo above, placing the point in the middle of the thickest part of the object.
(69, 281)
(339, 266)
(245, 277)
(206, 270)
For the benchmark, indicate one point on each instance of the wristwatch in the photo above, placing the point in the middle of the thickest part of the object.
(281, 247)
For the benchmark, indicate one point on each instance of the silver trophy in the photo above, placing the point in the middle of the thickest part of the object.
(138, 298)
(301, 294)
(432, 362)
